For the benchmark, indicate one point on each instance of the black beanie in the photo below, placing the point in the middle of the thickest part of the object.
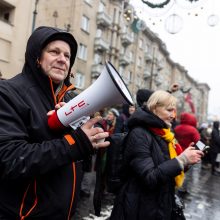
(142, 96)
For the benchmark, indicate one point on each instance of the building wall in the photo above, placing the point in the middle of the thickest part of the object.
(13, 36)
(140, 56)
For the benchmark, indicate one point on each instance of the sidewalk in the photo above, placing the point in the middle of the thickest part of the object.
(202, 202)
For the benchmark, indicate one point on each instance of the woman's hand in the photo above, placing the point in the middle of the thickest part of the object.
(95, 134)
(192, 154)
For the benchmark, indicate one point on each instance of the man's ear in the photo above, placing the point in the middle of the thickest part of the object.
(38, 62)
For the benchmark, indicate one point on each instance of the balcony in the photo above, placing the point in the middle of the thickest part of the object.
(96, 70)
(103, 19)
(100, 44)
(124, 59)
(146, 74)
(160, 66)
(148, 57)
(126, 39)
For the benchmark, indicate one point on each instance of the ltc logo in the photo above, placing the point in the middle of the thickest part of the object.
(79, 105)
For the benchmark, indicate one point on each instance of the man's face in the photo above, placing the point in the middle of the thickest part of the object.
(55, 60)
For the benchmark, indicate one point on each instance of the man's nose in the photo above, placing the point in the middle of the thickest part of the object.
(62, 58)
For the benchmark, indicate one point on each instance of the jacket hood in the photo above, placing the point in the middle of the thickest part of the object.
(142, 96)
(145, 118)
(216, 125)
(189, 119)
(38, 40)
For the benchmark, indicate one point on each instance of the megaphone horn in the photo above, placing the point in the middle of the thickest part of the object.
(109, 89)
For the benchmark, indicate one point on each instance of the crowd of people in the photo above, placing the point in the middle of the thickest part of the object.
(44, 172)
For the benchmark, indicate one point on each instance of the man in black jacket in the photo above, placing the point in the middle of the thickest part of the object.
(38, 166)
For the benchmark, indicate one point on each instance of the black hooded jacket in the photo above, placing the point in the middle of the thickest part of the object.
(215, 138)
(38, 177)
(149, 190)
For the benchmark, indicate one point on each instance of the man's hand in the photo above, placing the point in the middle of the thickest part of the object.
(95, 134)
(57, 106)
(174, 87)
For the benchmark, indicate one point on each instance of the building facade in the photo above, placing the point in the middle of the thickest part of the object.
(105, 30)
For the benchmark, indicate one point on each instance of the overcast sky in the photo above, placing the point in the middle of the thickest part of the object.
(196, 46)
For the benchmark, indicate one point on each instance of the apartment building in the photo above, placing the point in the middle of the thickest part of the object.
(104, 31)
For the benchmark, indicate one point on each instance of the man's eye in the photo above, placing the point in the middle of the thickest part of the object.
(67, 56)
(53, 52)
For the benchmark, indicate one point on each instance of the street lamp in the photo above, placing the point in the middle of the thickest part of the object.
(34, 15)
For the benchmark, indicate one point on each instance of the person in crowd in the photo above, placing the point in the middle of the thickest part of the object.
(109, 122)
(121, 122)
(40, 167)
(215, 148)
(205, 131)
(155, 162)
(186, 132)
(142, 96)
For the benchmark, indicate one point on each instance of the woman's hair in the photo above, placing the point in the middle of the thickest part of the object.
(161, 98)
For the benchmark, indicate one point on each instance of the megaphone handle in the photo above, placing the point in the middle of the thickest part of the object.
(54, 122)
(79, 122)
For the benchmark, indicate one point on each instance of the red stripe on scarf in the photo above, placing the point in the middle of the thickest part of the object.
(161, 132)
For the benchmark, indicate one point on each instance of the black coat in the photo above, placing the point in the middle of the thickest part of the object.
(215, 138)
(37, 165)
(149, 191)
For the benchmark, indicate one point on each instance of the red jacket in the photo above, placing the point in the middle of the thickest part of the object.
(186, 132)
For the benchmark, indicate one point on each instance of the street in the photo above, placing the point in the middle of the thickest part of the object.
(201, 203)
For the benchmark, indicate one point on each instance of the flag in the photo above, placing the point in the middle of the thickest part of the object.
(188, 99)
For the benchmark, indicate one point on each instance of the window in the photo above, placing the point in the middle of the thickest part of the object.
(131, 55)
(85, 23)
(124, 29)
(147, 48)
(82, 54)
(101, 7)
(138, 81)
(129, 75)
(140, 43)
(139, 61)
(98, 33)
(97, 59)
(79, 80)
(6, 12)
(122, 51)
(121, 70)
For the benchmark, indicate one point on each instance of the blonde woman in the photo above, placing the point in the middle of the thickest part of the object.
(155, 163)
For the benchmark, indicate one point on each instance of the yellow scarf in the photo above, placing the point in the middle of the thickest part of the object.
(172, 146)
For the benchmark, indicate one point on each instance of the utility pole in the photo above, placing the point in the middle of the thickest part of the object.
(34, 15)
(152, 70)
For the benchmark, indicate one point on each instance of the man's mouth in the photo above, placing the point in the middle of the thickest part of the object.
(58, 68)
